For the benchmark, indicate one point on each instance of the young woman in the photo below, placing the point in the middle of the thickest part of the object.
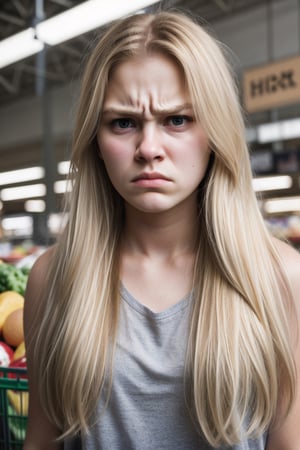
(166, 316)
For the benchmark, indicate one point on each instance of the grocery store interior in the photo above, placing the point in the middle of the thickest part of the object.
(43, 48)
(41, 61)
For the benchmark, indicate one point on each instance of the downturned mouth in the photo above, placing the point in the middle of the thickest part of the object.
(150, 176)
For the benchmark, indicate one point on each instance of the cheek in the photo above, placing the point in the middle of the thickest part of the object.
(198, 152)
(112, 151)
(196, 161)
(198, 169)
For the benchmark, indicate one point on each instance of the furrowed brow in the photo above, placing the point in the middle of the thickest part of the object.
(173, 110)
(157, 111)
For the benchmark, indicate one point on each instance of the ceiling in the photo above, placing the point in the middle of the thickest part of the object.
(64, 60)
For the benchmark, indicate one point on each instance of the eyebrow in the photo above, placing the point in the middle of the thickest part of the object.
(132, 112)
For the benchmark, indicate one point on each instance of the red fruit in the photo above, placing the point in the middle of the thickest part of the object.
(20, 363)
(6, 354)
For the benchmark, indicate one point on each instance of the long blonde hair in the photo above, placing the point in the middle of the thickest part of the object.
(239, 348)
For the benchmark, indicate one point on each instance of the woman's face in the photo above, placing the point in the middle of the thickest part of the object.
(154, 151)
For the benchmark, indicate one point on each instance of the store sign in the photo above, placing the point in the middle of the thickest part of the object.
(272, 85)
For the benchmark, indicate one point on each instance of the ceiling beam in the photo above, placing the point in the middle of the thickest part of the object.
(12, 19)
(22, 10)
(64, 3)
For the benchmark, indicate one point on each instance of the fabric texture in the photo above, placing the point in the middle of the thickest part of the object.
(147, 408)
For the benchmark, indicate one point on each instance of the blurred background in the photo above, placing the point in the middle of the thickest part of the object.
(43, 45)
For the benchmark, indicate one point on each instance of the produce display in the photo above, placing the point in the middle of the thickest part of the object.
(13, 278)
(9, 302)
(12, 348)
(12, 331)
(6, 354)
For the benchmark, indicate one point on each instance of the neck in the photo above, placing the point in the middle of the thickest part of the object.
(164, 235)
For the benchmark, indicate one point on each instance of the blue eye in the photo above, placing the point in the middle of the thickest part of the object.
(177, 121)
(122, 123)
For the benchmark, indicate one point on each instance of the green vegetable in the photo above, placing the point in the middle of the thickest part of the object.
(13, 278)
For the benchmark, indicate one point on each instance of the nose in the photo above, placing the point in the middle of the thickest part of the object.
(149, 144)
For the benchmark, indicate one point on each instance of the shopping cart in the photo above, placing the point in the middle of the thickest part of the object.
(13, 407)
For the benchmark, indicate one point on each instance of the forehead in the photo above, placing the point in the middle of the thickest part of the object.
(146, 82)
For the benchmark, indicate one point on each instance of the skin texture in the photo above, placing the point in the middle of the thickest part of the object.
(148, 127)
(156, 156)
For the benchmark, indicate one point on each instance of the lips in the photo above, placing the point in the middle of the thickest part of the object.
(151, 180)
(150, 176)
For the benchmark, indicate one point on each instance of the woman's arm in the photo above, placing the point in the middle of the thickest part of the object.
(40, 433)
(287, 436)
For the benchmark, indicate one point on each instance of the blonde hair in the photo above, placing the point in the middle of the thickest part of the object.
(239, 348)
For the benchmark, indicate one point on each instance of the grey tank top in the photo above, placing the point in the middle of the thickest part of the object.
(147, 409)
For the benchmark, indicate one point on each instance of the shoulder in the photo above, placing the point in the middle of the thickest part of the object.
(287, 435)
(288, 253)
(290, 258)
(36, 285)
(40, 432)
(43, 261)
(39, 271)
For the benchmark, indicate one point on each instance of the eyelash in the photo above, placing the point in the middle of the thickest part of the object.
(115, 123)
(176, 117)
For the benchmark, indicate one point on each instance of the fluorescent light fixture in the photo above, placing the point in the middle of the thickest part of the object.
(67, 25)
(35, 206)
(17, 223)
(85, 17)
(63, 167)
(56, 222)
(62, 186)
(21, 175)
(20, 192)
(284, 204)
(19, 46)
(272, 183)
(290, 128)
(268, 132)
(277, 131)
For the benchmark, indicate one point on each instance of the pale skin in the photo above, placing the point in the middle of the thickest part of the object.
(156, 155)
(148, 130)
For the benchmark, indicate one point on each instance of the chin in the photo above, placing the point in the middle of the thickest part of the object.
(150, 207)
